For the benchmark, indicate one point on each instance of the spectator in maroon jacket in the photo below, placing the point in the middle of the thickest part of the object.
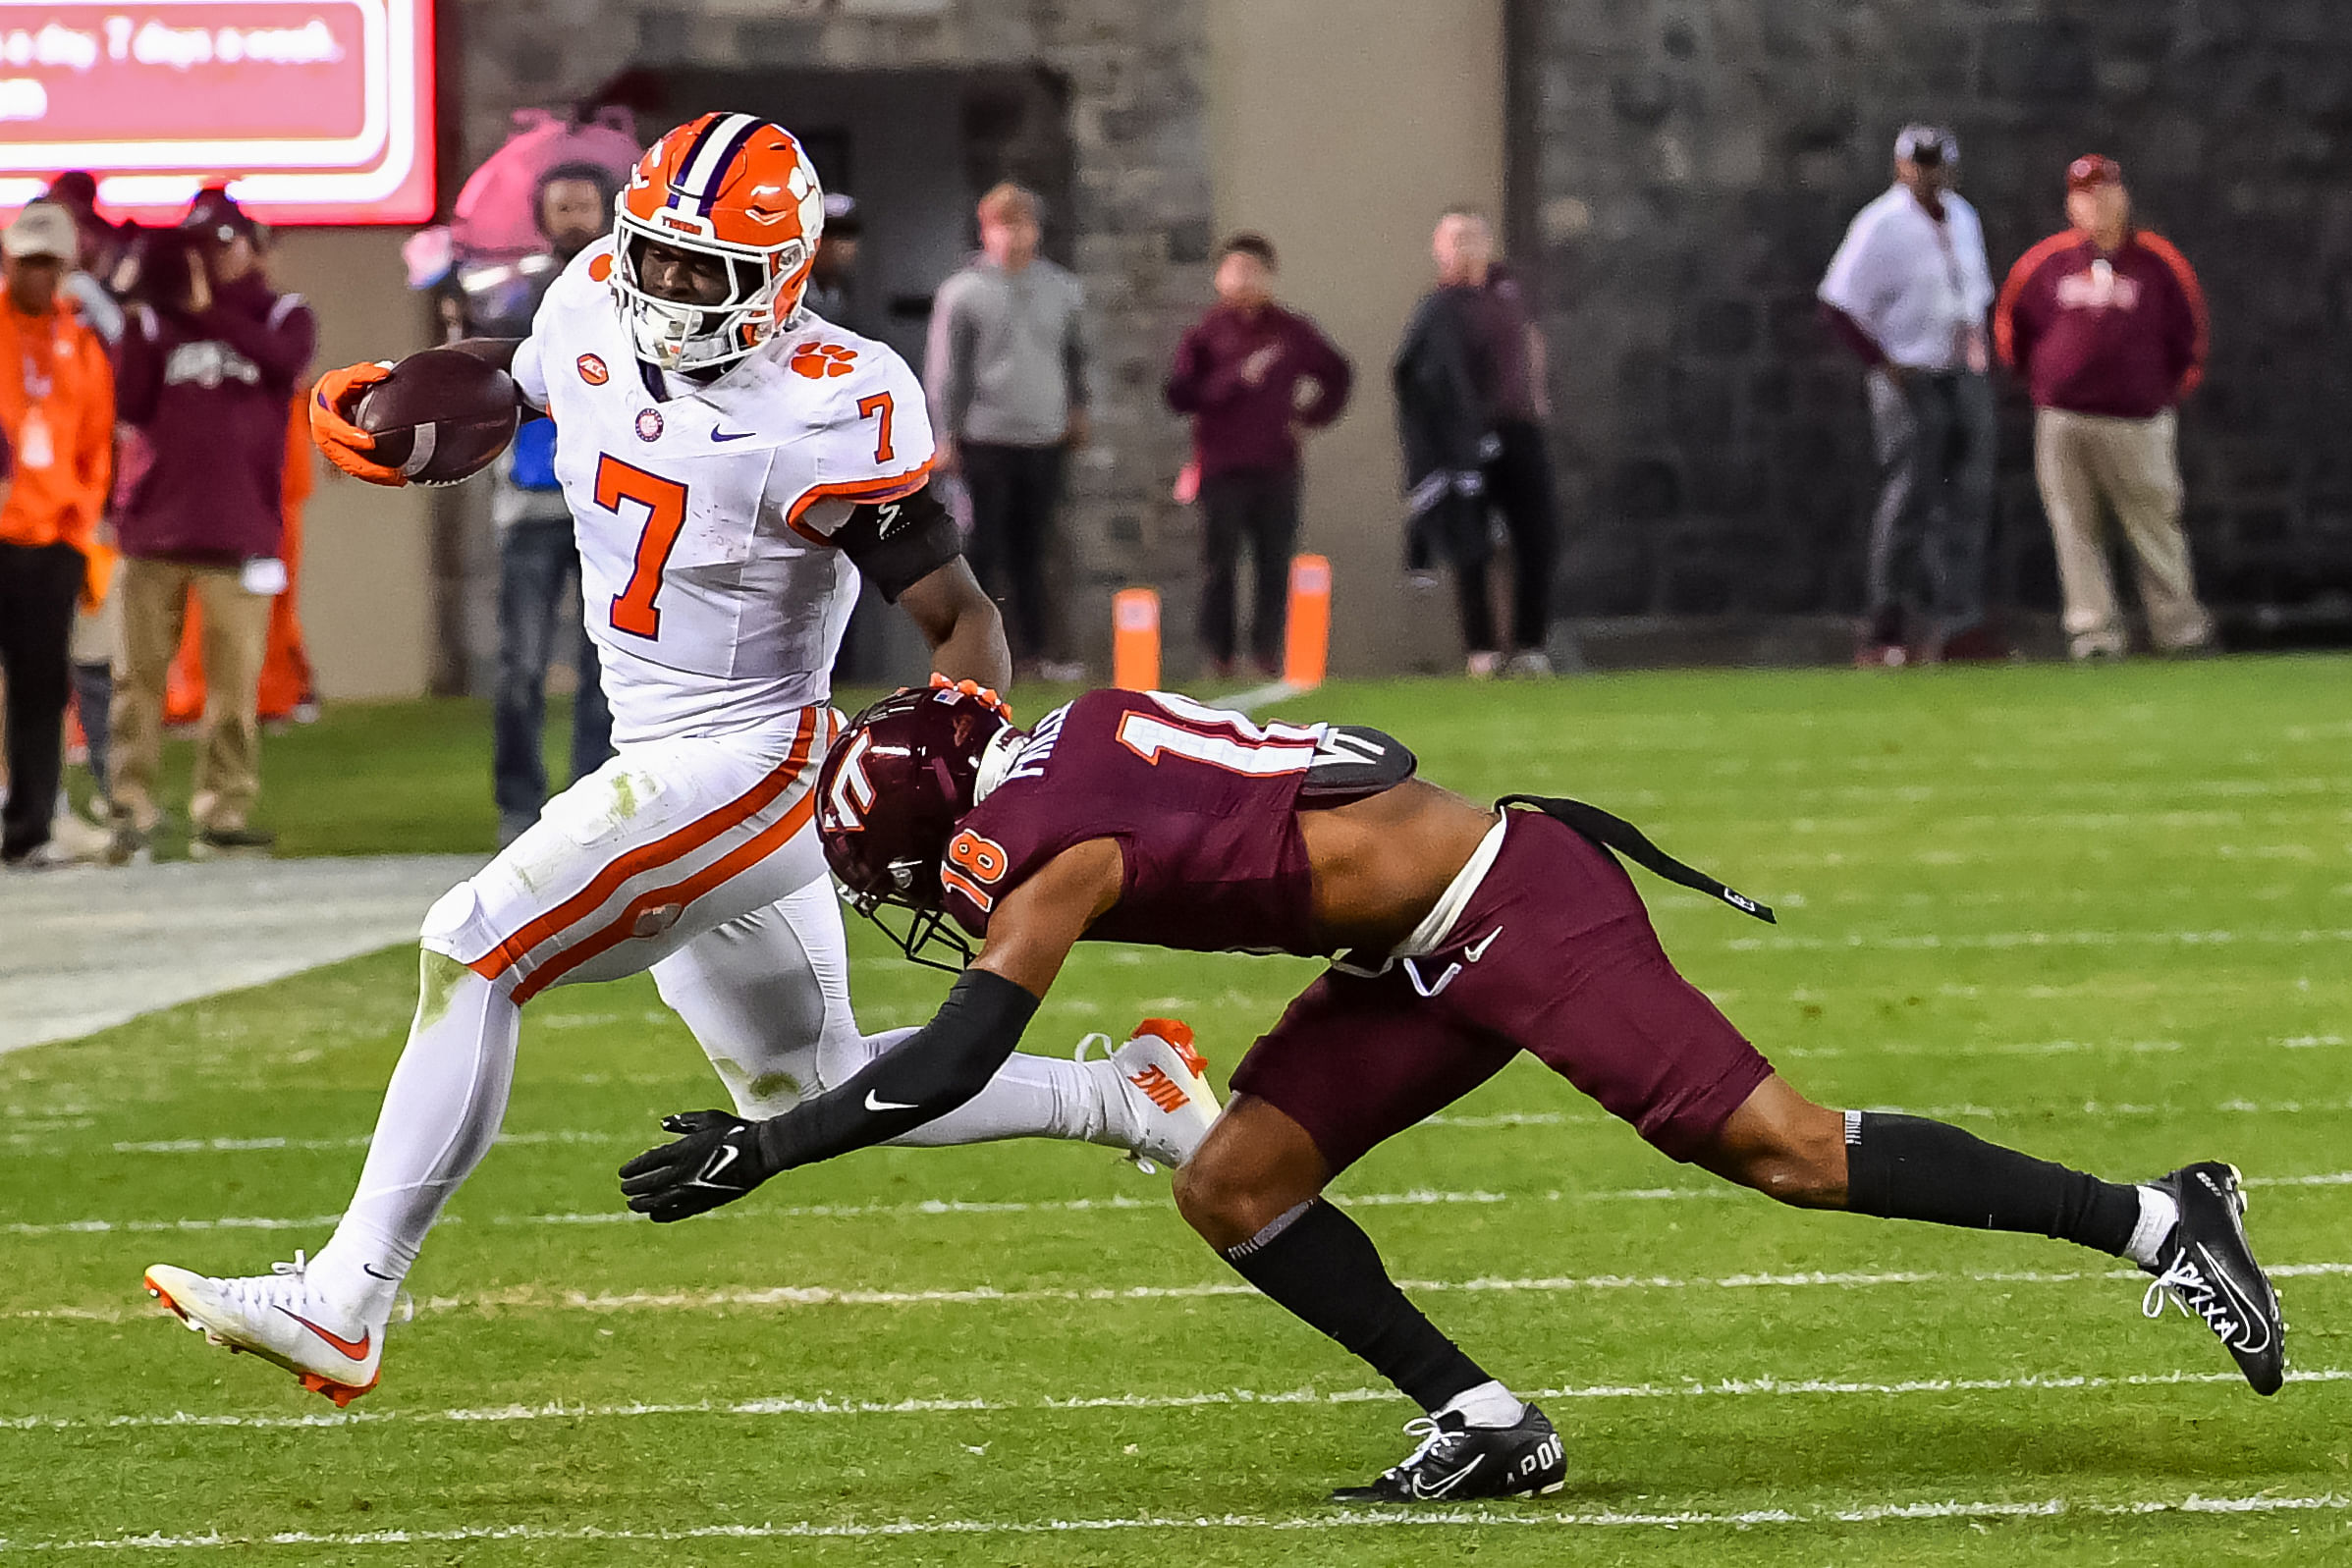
(1252, 375)
(210, 361)
(2106, 325)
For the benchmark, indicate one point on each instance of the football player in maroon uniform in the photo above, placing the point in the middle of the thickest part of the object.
(1464, 935)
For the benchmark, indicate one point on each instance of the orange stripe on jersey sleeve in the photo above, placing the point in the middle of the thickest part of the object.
(889, 487)
(2192, 292)
(2004, 309)
(647, 857)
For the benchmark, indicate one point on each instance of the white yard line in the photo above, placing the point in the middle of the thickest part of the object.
(827, 1407)
(2004, 940)
(84, 948)
(535, 1298)
(936, 1207)
(1520, 1517)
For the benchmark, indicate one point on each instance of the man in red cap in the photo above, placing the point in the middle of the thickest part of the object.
(2108, 326)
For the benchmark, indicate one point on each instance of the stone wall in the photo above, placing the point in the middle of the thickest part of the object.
(1694, 163)
(1140, 187)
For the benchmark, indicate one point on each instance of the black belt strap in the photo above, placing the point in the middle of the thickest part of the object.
(1615, 833)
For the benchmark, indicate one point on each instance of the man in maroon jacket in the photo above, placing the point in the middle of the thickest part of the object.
(2106, 325)
(209, 364)
(1252, 375)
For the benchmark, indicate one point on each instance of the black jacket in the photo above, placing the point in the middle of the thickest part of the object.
(1442, 423)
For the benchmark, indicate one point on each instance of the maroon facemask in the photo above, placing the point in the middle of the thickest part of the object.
(888, 800)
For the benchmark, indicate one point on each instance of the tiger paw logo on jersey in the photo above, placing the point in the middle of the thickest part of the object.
(816, 362)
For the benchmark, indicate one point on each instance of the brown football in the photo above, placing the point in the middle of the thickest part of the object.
(440, 416)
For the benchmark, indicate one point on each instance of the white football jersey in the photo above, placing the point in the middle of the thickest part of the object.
(704, 511)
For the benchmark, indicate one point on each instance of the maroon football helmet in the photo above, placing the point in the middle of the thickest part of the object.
(888, 799)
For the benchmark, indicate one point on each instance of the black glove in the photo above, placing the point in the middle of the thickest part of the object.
(716, 1161)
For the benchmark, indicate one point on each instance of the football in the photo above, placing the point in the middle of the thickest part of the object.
(440, 416)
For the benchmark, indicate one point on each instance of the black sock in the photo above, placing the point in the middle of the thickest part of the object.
(1908, 1168)
(1319, 1264)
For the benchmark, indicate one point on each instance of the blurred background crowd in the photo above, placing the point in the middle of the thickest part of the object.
(1771, 388)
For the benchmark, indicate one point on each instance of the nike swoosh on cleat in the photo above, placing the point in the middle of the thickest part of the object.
(1444, 1487)
(357, 1349)
(732, 435)
(369, 1270)
(871, 1104)
(2251, 1333)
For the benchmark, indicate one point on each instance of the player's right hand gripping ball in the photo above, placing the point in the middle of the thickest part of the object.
(346, 446)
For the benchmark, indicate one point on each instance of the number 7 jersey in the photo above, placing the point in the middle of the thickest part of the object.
(705, 513)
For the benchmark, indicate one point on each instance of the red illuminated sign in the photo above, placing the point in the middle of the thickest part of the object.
(316, 111)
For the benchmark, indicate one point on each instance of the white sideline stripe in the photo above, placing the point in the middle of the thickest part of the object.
(2001, 940)
(1736, 1387)
(931, 1207)
(240, 1146)
(1522, 1517)
(535, 1298)
(1258, 696)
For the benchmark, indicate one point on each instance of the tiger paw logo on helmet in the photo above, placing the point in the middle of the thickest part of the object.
(816, 362)
(736, 195)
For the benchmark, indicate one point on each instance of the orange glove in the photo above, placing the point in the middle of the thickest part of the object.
(973, 688)
(346, 444)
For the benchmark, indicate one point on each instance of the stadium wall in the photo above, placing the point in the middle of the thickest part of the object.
(1692, 165)
(1676, 172)
(367, 591)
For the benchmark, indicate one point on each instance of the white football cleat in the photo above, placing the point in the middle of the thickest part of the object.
(1157, 1091)
(279, 1318)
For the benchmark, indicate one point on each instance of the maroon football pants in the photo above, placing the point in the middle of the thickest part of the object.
(1555, 956)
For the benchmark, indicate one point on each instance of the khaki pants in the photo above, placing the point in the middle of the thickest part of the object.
(2081, 460)
(154, 610)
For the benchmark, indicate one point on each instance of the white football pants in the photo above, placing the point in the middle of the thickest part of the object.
(696, 860)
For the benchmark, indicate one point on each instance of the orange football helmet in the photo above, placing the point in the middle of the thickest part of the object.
(735, 187)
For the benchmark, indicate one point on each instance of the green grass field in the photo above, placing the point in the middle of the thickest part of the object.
(2104, 914)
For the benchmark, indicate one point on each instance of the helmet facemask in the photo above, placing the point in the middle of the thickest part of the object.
(763, 296)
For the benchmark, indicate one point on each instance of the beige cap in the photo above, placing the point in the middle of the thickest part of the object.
(42, 229)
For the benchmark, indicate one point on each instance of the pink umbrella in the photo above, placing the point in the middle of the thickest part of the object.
(494, 217)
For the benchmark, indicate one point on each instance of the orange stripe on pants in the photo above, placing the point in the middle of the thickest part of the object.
(647, 857)
(743, 858)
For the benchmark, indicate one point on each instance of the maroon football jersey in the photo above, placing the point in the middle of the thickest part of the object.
(1202, 802)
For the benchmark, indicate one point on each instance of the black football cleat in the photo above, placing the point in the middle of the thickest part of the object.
(2209, 1269)
(1457, 1462)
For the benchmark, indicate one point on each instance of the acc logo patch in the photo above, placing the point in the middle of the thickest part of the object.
(592, 370)
(601, 268)
(649, 425)
(817, 361)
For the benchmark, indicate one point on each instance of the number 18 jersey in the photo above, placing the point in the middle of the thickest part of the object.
(1202, 803)
(704, 511)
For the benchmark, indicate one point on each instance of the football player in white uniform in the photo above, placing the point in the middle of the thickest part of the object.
(734, 464)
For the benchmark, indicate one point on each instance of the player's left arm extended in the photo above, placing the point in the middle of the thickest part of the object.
(718, 1157)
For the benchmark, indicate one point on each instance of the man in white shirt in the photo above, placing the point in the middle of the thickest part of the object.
(1908, 292)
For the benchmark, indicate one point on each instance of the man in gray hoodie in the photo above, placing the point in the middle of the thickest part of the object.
(1005, 377)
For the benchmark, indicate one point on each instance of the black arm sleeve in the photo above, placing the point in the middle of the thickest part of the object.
(897, 544)
(928, 1074)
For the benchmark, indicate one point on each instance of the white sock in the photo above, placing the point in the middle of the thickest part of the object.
(441, 1113)
(1489, 1404)
(1030, 1097)
(2159, 1213)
